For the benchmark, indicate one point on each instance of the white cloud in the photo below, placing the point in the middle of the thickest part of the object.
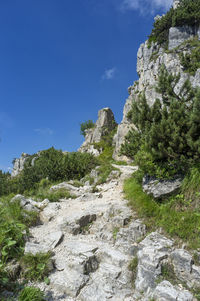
(109, 73)
(146, 6)
(44, 131)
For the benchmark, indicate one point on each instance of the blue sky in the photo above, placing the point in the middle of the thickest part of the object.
(60, 62)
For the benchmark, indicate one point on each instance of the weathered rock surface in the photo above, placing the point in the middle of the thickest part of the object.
(104, 125)
(149, 61)
(185, 269)
(165, 291)
(177, 35)
(18, 164)
(160, 188)
(94, 239)
(27, 203)
(152, 250)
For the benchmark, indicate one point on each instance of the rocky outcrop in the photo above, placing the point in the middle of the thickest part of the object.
(104, 125)
(160, 188)
(18, 164)
(177, 35)
(150, 58)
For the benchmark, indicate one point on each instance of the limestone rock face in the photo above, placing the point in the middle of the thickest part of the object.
(104, 125)
(150, 58)
(18, 164)
(177, 35)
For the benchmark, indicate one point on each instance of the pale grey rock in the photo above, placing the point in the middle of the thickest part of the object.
(176, 3)
(184, 268)
(177, 35)
(119, 139)
(112, 256)
(165, 291)
(152, 250)
(43, 204)
(109, 282)
(104, 125)
(149, 61)
(69, 282)
(26, 203)
(77, 221)
(53, 239)
(160, 188)
(34, 248)
(127, 237)
(18, 164)
(49, 212)
(77, 248)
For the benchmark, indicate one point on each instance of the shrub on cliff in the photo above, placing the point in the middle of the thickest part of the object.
(85, 126)
(167, 138)
(187, 13)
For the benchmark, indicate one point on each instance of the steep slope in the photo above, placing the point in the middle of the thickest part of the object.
(151, 56)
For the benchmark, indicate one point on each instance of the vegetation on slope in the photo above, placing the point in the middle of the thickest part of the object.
(187, 13)
(51, 164)
(177, 216)
(191, 59)
(166, 141)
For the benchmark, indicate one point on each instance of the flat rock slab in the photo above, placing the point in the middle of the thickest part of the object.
(165, 291)
(78, 247)
(69, 282)
(34, 248)
(53, 239)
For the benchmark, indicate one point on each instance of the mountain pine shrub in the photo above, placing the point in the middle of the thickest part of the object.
(167, 139)
(86, 126)
(187, 13)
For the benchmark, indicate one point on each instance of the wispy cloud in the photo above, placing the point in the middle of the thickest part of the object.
(146, 6)
(109, 73)
(44, 131)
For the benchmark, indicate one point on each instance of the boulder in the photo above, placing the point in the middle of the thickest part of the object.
(34, 248)
(185, 269)
(49, 212)
(152, 251)
(26, 203)
(160, 188)
(165, 291)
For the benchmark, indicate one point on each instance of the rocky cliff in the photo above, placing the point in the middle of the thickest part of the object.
(150, 58)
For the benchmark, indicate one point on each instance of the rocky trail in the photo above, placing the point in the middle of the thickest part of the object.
(95, 237)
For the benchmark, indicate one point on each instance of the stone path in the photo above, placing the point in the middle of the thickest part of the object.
(93, 239)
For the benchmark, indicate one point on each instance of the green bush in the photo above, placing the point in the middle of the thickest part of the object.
(166, 141)
(85, 126)
(55, 166)
(191, 61)
(181, 224)
(36, 267)
(31, 294)
(52, 196)
(187, 13)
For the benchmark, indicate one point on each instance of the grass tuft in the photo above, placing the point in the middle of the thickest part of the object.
(184, 225)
